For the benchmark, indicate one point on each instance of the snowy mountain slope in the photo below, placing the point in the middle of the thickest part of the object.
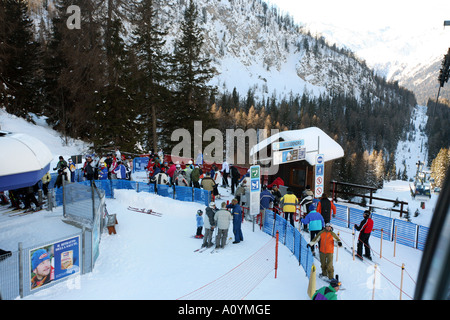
(414, 148)
(254, 47)
(410, 55)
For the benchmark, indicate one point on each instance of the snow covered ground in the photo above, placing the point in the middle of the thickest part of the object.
(152, 257)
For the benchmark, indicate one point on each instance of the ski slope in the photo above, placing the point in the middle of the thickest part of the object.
(153, 257)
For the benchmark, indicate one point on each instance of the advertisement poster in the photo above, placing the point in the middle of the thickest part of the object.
(281, 157)
(54, 261)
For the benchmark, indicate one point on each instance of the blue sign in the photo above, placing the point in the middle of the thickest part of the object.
(255, 185)
(319, 175)
(287, 144)
(319, 159)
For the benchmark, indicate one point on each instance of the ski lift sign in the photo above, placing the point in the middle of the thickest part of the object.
(319, 175)
(255, 189)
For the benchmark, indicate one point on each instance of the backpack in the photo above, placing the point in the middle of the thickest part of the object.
(235, 173)
(321, 296)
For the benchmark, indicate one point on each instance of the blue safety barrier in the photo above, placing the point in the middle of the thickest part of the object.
(422, 235)
(290, 237)
(145, 187)
(202, 196)
(408, 234)
(183, 193)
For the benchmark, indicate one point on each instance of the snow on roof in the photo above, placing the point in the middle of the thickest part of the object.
(315, 140)
(22, 153)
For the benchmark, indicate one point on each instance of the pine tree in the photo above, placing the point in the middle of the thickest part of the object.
(79, 73)
(19, 60)
(154, 75)
(440, 167)
(192, 72)
(116, 113)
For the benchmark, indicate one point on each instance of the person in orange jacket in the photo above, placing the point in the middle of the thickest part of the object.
(326, 207)
(326, 248)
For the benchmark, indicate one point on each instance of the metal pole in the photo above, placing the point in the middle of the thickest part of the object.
(276, 254)
(395, 239)
(83, 249)
(64, 195)
(21, 269)
(381, 243)
(401, 282)
(353, 249)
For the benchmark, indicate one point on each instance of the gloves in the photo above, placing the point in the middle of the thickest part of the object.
(339, 244)
(309, 245)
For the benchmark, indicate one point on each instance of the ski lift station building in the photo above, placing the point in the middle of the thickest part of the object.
(293, 155)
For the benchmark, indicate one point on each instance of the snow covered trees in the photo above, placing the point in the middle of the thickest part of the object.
(440, 166)
(19, 64)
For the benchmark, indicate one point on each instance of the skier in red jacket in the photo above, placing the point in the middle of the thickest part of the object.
(364, 228)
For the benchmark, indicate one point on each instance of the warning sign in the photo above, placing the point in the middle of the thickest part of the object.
(320, 171)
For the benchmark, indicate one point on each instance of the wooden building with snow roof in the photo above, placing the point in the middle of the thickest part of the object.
(292, 155)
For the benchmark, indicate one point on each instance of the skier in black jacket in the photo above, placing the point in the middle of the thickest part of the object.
(209, 225)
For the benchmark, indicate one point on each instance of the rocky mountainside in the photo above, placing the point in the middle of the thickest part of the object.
(256, 48)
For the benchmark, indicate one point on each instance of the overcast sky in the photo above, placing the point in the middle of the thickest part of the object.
(369, 14)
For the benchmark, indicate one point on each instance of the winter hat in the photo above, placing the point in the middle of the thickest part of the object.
(38, 257)
(328, 225)
(335, 283)
(199, 212)
(312, 207)
(212, 205)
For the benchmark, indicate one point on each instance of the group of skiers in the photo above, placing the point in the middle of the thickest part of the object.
(22, 199)
(110, 166)
(219, 219)
(316, 218)
(192, 175)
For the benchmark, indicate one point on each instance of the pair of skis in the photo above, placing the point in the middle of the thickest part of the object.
(202, 249)
(25, 212)
(146, 211)
(350, 251)
(215, 250)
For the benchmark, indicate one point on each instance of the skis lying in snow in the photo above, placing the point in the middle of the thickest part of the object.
(146, 211)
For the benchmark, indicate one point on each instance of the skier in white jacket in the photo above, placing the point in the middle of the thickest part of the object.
(222, 218)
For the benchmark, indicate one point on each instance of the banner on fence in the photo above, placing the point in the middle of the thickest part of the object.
(54, 261)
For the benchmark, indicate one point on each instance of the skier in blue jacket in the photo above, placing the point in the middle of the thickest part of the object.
(236, 211)
(315, 221)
